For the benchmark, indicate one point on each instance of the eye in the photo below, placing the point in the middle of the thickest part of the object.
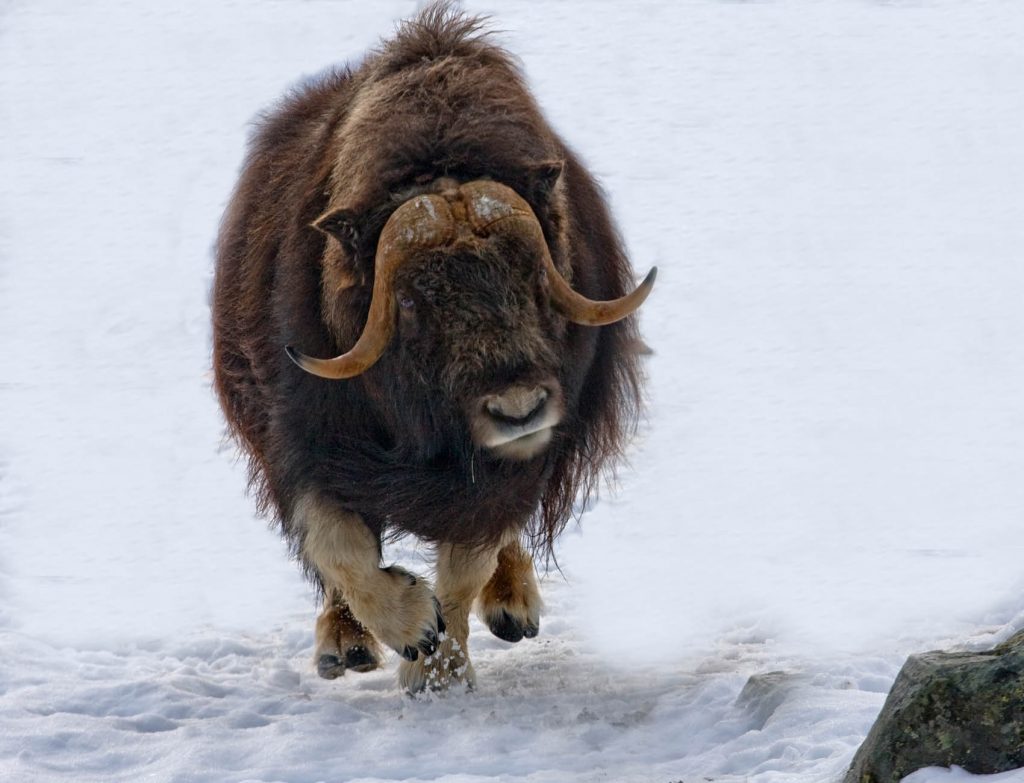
(406, 302)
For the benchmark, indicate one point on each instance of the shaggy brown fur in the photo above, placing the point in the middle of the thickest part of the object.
(438, 100)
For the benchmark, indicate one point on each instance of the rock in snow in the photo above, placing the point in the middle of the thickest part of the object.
(949, 708)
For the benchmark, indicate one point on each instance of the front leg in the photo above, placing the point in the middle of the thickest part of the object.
(510, 603)
(461, 572)
(397, 607)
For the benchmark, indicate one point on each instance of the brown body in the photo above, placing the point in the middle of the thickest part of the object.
(423, 437)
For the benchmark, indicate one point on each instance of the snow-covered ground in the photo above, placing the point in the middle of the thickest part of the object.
(831, 475)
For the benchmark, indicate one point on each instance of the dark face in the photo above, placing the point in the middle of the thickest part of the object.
(462, 318)
(476, 334)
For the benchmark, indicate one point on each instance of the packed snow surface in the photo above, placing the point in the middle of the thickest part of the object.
(830, 477)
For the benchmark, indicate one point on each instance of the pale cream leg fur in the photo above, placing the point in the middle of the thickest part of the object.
(461, 573)
(342, 643)
(395, 606)
(510, 603)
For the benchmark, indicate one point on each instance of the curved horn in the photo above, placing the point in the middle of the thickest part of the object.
(422, 222)
(491, 203)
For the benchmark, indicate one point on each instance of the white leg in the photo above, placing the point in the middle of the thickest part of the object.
(397, 607)
(461, 572)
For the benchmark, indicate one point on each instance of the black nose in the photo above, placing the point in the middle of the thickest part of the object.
(517, 405)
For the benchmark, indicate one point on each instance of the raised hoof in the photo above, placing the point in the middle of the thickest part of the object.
(359, 659)
(428, 644)
(508, 628)
(330, 667)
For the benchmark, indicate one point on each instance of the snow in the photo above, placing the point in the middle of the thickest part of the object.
(959, 775)
(829, 479)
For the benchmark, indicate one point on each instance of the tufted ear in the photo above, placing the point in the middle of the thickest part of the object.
(342, 224)
(542, 178)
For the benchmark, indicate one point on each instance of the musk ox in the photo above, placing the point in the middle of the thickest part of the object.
(416, 218)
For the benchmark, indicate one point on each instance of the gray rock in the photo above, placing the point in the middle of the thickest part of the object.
(949, 708)
(764, 693)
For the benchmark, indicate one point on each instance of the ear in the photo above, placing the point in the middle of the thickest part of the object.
(542, 178)
(340, 224)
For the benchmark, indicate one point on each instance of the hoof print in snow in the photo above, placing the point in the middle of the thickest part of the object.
(949, 708)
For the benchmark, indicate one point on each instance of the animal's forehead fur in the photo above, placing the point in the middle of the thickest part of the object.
(452, 113)
(493, 278)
